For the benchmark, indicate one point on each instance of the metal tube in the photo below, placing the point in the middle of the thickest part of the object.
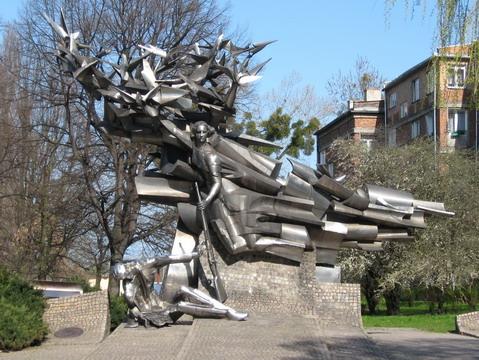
(434, 113)
(386, 140)
(476, 135)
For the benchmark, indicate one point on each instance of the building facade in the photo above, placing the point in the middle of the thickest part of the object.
(433, 99)
(363, 121)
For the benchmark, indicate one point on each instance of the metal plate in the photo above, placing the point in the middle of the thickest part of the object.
(68, 332)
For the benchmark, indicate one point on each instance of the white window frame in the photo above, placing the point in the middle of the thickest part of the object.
(403, 110)
(430, 82)
(368, 143)
(392, 137)
(415, 90)
(393, 99)
(453, 122)
(429, 124)
(415, 129)
(322, 157)
(331, 169)
(454, 84)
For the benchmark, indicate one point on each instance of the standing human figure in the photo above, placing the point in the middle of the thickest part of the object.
(205, 158)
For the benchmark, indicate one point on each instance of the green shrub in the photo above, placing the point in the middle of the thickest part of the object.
(21, 311)
(118, 310)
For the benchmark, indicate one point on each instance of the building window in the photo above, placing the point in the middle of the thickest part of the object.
(457, 124)
(415, 129)
(393, 99)
(430, 82)
(369, 143)
(322, 157)
(415, 90)
(456, 76)
(392, 137)
(403, 111)
(430, 124)
(331, 169)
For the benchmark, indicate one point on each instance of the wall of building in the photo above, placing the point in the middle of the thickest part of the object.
(415, 109)
(343, 130)
(446, 98)
(369, 126)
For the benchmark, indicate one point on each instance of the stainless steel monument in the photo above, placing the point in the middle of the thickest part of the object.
(182, 101)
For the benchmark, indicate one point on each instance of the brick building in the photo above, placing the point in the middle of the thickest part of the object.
(433, 98)
(363, 121)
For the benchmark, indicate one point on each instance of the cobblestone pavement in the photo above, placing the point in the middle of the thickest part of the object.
(54, 348)
(407, 344)
(51, 352)
(263, 336)
(140, 343)
(350, 343)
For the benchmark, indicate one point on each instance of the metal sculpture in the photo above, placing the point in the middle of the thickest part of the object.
(149, 308)
(182, 100)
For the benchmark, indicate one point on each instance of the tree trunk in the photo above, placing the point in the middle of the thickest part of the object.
(393, 300)
(372, 300)
(98, 276)
(370, 287)
(114, 284)
(441, 299)
(471, 295)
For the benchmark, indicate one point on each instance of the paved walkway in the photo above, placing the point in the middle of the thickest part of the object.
(50, 352)
(263, 336)
(407, 344)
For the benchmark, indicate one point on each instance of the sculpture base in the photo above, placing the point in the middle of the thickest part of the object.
(262, 283)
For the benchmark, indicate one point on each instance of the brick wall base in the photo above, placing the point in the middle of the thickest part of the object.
(468, 324)
(90, 312)
(263, 283)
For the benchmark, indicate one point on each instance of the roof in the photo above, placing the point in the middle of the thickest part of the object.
(364, 110)
(408, 72)
(422, 64)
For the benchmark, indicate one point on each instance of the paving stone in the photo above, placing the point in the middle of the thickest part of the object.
(51, 352)
(141, 343)
(263, 336)
(407, 344)
(350, 343)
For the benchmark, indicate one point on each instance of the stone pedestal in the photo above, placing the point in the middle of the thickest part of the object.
(262, 283)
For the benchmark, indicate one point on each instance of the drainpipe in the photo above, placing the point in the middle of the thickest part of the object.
(434, 113)
(386, 140)
(476, 136)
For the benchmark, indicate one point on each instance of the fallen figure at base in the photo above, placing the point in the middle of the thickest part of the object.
(147, 307)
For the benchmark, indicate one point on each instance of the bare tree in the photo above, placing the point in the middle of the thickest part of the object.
(107, 164)
(351, 85)
(41, 210)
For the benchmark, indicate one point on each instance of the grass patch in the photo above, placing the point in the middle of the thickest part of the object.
(417, 316)
(436, 323)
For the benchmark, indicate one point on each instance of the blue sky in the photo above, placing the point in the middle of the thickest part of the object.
(318, 38)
